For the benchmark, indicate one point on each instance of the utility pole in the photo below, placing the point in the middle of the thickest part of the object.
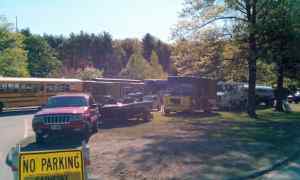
(17, 24)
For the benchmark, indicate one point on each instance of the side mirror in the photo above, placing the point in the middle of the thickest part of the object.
(94, 106)
(41, 107)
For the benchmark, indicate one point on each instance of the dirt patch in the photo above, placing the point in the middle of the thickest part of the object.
(187, 148)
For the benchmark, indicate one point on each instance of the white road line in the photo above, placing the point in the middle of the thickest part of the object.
(26, 128)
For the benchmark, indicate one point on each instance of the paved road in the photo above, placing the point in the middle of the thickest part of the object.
(14, 126)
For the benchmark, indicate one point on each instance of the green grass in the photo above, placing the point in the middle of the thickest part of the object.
(241, 144)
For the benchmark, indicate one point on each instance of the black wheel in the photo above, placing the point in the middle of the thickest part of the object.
(95, 127)
(39, 139)
(1, 107)
(146, 116)
(296, 102)
(166, 112)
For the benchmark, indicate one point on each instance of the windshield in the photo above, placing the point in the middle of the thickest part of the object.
(70, 101)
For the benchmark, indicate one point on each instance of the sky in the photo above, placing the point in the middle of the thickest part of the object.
(121, 18)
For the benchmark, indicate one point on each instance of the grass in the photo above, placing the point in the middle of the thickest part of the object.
(227, 144)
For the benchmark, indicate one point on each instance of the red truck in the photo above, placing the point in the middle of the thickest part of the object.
(66, 114)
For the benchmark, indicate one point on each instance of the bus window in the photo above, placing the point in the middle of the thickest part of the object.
(42, 87)
(27, 88)
(36, 88)
(12, 87)
(50, 88)
(66, 87)
(3, 87)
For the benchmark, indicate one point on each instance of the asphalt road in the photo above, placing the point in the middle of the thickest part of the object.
(14, 126)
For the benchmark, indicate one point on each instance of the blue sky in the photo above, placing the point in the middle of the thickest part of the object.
(121, 18)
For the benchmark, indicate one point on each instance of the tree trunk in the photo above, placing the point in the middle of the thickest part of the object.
(252, 77)
(279, 89)
(251, 16)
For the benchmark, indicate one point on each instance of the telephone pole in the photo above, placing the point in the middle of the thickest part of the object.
(17, 24)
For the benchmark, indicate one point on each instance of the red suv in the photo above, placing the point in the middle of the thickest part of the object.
(66, 114)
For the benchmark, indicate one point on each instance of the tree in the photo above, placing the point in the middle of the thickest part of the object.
(13, 59)
(130, 46)
(42, 59)
(13, 62)
(279, 40)
(200, 58)
(89, 73)
(157, 70)
(137, 68)
(149, 43)
(242, 14)
(163, 51)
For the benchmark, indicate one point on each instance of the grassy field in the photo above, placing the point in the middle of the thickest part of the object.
(221, 145)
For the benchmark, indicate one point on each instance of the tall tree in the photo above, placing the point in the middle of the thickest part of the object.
(163, 51)
(279, 39)
(13, 57)
(137, 68)
(157, 70)
(149, 43)
(243, 15)
(42, 59)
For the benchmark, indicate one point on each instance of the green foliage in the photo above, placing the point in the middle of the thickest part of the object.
(13, 59)
(157, 70)
(202, 58)
(13, 63)
(42, 61)
(137, 68)
(102, 52)
(148, 46)
(89, 73)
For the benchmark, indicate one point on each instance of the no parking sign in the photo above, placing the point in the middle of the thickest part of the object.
(51, 165)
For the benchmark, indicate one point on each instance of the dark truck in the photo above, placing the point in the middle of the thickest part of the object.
(66, 114)
(126, 109)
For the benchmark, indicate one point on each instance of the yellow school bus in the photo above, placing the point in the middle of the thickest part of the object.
(25, 92)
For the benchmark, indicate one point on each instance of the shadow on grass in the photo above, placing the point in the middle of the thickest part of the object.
(56, 143)
(193, 114)
(216, 148)
(120, 123)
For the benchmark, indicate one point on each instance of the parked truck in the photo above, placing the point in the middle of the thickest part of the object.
(185, 94)
(66, 114)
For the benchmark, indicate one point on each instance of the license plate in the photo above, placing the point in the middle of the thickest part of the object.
(56, 127)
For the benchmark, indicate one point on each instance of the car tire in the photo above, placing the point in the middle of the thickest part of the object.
(166, 112)
(1, 107)
(95, 127)
(39, 139)
(296, 102)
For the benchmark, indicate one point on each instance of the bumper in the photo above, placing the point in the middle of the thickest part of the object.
(177, 108)
(59, 130)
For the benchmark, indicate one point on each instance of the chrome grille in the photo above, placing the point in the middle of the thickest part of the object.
(57, 119)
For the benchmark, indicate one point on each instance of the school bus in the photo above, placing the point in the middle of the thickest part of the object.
(26, 92)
